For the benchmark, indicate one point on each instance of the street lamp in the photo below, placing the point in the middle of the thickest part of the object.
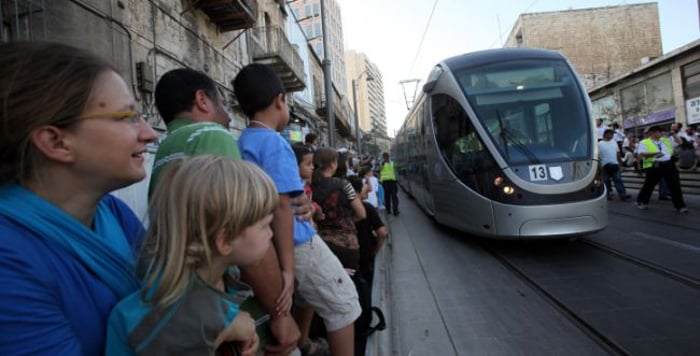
(354, 104)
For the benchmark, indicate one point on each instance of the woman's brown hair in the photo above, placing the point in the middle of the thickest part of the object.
(323, 158)
(40, 84)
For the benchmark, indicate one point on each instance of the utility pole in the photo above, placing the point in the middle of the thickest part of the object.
(327, 76)
(355, 83)
(357, 121)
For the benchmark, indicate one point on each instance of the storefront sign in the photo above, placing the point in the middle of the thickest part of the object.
(653, 118)
(692, 110)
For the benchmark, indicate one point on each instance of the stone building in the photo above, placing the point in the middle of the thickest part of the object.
(660, 92)
(602, 43)
(146, 38)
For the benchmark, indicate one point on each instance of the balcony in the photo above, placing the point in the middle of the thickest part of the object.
(269, 45)
(229, 15)
(343, 115)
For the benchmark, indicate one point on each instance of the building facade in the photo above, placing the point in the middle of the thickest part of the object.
(145, 39)
(661, 92)
(602, 43)
(369, 91)
(308, 14)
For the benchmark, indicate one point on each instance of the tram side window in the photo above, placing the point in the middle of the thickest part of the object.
(457, 140)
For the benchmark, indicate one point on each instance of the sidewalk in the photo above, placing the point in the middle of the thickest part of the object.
(381, 343)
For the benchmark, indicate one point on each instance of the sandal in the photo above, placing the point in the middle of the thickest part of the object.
(315, 347)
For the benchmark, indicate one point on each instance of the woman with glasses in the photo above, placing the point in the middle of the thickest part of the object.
(71, 134)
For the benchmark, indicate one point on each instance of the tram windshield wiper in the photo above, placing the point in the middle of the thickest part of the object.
(506, 136)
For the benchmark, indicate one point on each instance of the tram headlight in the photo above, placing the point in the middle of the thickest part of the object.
(508, 190)
(498, 181)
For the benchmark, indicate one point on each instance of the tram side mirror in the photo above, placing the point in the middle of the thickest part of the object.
(428, 87)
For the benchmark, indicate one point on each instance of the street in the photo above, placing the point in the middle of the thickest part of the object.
(629, 289)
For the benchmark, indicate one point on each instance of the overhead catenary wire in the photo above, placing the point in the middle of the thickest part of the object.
(420, 44)
(500, 34)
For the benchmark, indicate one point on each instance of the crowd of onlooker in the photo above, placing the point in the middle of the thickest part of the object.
(248, 241)
(685, 140)
(658, 153)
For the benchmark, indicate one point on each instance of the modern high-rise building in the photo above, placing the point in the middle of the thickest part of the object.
(602, 43)
(369, 92)
(308, 15)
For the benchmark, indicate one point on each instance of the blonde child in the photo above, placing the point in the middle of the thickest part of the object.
(207, 214)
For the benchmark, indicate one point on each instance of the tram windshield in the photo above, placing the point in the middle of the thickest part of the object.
(533, 110)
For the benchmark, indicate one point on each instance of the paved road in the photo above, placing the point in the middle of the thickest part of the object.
(446, 295)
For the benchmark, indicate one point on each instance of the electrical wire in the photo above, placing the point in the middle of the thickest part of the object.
(420, 44)
(500, 35)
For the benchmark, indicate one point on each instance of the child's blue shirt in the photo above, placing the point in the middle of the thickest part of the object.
(274, 155)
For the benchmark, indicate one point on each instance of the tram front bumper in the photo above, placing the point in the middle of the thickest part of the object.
(550, 221)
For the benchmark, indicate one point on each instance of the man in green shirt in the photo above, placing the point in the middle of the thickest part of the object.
(188, 136)
(197, 121)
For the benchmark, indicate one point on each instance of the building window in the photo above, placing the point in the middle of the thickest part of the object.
(652, 95)
(606, 108)
(691, 80)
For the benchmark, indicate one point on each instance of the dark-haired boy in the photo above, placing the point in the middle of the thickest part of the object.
(322, 281)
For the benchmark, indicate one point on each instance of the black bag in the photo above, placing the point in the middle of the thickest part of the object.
(363, 327)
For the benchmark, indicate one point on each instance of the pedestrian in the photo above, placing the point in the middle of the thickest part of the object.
(208, 213)
(618, 135)
(368, 176)
(321, 280)
(387, 176)
(311, 141)
(303, 313)
(371, 235)
(341, 207)
(656, 151)
(600, 128)
(610, 159)
(71, 133)
(197, 120)
(305, 160)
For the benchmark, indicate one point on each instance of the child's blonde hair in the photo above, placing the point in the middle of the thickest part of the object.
(194, 200)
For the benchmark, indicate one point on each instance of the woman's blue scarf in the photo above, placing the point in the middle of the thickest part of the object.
(105, 251)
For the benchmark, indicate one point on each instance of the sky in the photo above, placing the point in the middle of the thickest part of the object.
(389, 32)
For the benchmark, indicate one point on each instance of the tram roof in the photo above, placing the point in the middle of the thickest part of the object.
(499, 54)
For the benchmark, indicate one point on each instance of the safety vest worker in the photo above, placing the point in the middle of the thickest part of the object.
(387, 172)
(651, 147)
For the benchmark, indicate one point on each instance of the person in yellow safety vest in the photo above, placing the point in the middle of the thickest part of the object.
(656, 152)
(387, 176)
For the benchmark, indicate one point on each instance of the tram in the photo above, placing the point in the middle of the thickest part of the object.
(500, 143)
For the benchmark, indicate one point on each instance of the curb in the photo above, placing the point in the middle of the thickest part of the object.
(382, 342)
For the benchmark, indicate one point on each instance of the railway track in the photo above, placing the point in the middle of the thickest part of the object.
(605, 342)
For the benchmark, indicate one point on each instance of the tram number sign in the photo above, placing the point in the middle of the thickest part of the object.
(538, 172)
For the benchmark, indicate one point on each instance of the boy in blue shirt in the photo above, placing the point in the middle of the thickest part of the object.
(322, 282)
